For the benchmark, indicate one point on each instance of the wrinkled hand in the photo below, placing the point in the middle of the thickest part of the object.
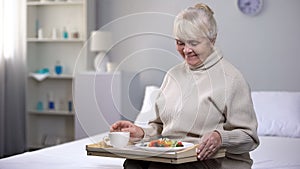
(136, 133)
(209, 145)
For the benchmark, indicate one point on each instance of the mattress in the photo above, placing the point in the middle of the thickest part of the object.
(273, 153)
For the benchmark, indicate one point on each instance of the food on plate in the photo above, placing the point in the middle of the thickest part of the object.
(165, 142)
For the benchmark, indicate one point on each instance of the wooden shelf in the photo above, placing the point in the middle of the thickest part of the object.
(54, 77)
(53, 40)
(45, 3)
(45, 52)
(63, 77)
(51, 112)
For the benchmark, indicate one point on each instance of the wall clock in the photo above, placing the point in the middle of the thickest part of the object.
(250, 7)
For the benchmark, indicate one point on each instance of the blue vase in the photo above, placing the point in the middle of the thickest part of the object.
(58, 69)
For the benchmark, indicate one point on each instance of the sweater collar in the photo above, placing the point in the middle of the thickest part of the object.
(210, 61)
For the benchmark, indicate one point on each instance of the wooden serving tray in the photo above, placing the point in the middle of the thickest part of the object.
(133, 152)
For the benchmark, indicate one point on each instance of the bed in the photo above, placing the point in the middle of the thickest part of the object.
(278, 115)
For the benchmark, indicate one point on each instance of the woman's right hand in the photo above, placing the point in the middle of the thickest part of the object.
(209, 145)
(136, 133)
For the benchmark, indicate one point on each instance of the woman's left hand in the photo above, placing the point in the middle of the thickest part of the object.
(210, 144)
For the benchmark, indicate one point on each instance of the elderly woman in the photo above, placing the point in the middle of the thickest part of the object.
(204, 100)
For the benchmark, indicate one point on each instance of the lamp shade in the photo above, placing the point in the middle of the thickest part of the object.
(100, 41)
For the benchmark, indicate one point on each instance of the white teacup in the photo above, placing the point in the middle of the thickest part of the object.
(118, 139)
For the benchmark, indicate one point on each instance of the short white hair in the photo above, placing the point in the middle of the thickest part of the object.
(195, 22)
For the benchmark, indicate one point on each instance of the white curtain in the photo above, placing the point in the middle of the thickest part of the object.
(12, 77)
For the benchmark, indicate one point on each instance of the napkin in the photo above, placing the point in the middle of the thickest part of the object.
(39, 77)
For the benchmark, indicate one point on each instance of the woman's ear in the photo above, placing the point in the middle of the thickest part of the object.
(213, 41)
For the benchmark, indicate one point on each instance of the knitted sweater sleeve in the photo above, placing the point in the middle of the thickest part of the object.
(155, 126)
(239, 132)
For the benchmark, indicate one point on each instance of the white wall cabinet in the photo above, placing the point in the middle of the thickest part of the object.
(46, 45)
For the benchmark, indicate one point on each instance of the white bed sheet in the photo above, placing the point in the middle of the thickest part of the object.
(65, 156)
(273, 153)
(277, 153)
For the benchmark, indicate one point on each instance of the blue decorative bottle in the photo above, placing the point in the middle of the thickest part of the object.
(51, 104)
(65, 33)
(58, 68)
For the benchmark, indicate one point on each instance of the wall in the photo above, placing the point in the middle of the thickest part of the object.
(263, 47)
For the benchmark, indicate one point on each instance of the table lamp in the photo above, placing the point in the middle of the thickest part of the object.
(101, 43)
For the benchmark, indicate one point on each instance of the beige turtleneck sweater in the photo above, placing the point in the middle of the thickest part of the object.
(214, 96)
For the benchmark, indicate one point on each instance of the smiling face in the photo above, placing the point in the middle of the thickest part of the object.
(194, 52)
(195, 31)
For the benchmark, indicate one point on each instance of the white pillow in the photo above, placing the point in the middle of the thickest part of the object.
(278, 113)
(147, 112)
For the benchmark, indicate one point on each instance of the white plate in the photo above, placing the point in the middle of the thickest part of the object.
(142, 146)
